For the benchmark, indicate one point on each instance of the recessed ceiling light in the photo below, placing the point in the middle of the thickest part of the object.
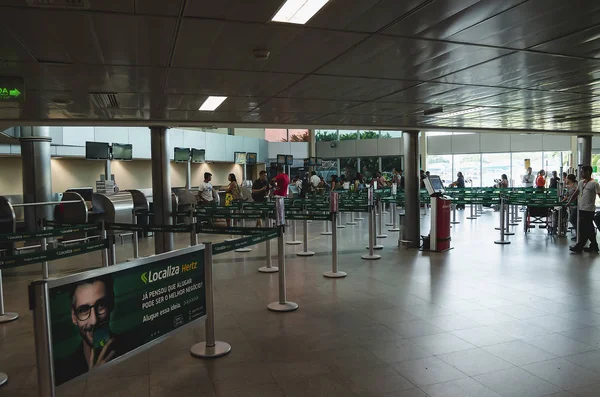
(298, 11)
(212, 102)
(459, 113)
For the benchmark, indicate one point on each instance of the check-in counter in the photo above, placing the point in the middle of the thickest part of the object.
(8, 224)
(116, 208)
(73, 212)
(141, 203)
(186, 201)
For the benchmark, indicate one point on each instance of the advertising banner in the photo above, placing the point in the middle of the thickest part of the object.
(98, 316)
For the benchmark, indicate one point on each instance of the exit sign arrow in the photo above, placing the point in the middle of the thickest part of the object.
(12, 89)
(14, 93)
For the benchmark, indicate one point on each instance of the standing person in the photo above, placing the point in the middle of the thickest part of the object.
(540, 181)
(205, 190)
(459, 183)
(260, 191)
(380, 180)
(587, 190)
(334, 182)
(554, 180)
(422, 177)
(398, 179)
(315, 181)
(528, 178)
(503, 181)
(281, 182)
(571, 190)
(232, 192)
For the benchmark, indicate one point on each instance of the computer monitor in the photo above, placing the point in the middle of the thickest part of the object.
(121, 151)
(239, 157)
(251, 158)
(182, 155)
(97, 151)
(198, 156)
(434, 185)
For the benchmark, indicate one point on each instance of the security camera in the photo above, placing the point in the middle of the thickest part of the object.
(333, 144)
(261, 54)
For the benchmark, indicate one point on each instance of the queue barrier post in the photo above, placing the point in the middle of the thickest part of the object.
(211, 348)
(395, 227)
(136, 239)
(5, 317)
(39, 291)
(359, 217)
(380, 229)
(103, 236)
(306, 252)
(391, 221)
(44, 247)
(454, 221)
(244, 249)
(193, 233)
(269, 268)
(371, 255)
(514, 220)
(340, 225)
(327, 232)
(282, 305)
(507, 231)
(352, 220)
(334, 273)
(294, 240)
(502, 241)
(472, 215)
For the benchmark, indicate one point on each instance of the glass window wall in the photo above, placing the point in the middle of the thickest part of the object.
(493, 166)
(326, 135)
(298, 136)
(442, 166)
(470, 166)
(369, 134)
(346, 135)
(276, 134)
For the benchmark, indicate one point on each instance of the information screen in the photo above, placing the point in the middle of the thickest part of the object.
(281, 159)
(198, 156)
(182, 155)
(97, 151)
(239, 158)
(251, 158)
(289, 159)
(122, 151)
(110, 313)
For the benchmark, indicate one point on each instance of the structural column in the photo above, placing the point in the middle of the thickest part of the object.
(412, 219)
(37, 176)
(161, 187)
(584, 150)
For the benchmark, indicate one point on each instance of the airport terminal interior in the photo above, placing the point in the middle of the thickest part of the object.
(299, 198)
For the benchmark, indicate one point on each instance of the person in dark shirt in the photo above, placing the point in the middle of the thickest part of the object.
(554, 180)
(260, 188)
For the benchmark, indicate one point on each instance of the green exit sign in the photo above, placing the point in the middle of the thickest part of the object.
(12, 89)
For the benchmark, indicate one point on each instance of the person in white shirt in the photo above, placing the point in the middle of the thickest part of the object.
(587, 190)
(314, 180)
(205, 190)
(528, 178)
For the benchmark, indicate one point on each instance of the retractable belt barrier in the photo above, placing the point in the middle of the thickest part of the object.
(48, 233)
(52, 254)
(254, 239)
(149, 228)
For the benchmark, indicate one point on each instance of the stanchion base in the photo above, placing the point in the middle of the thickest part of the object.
(218, 350)
(341, 226)
(305, 253)
(266, 269)
(326, 233)
(389, 224)
(3, 378)
(394, 229)
(513, 224)
(282, 307)
(293, 242)
(135, 259)
(381, 236)
(243, 250)
(351, 223)
(378, 247)
(502, 242)
(454, 222)
(230, 239)
(371, 257)
(509, 233)
(335, 274)
(359, 219)
(8, 317)
(471, 217)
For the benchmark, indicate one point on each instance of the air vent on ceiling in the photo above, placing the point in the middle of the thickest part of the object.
(105, 101)
(79, 4)
(436, 110)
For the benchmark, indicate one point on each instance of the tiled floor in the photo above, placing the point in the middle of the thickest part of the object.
(521, 320)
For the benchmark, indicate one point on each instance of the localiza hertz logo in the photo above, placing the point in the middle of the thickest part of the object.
(150, 276)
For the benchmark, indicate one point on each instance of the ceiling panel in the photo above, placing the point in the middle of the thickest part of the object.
(291, 105)
(364, 15)
(201, 44)
(158, 7)
(344, 88)
(231, 104)
(234, 10)
(584, 43)
(441, 93)
(233, 83)
(533, 22)
(92, 38)
(352, 119)
(442, 18)
(399, 58)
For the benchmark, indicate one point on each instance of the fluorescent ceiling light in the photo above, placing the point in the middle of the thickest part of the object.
(459, 113)
(212, 103)
(298, 11)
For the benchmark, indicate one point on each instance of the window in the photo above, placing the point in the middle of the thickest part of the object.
(328, 168)
(348, 167)
(470, 166)
(326, 135)
(369, 166)
(552, 161)
(441, 166)
(299, 135)
(390, 134)
(369, 134)
(388, 163)
(276, 135)
(346, 135)
(493, 166)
